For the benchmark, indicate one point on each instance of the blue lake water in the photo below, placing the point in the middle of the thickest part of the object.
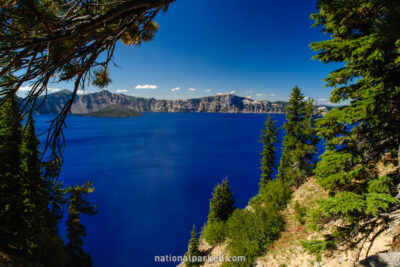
(154, 176)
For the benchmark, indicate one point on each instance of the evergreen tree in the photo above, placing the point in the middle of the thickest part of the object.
(364, 36)
(11, 202)
(268, 139)
(222, 203)
(32, 199)
(193, 249)
(221, 207)
(299, 143)
(34, 191)
(76, 231)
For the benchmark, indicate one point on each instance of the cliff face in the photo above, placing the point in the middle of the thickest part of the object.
(96, 101)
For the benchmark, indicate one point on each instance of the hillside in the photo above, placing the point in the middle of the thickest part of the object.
(113, 111)
(287, 250)
(227, 103)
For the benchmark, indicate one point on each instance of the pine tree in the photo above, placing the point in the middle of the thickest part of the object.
(221, 208)
(34, 191)
(299, 143)
(32, 200)
(364, 36)
(11, 202)
(76, 231)
(222, 203)
(193, 251)
(268, 139)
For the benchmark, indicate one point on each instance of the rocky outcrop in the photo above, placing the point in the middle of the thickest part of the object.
(227, 103)
(389, 259)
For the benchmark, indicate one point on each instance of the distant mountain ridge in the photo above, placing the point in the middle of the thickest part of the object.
(227, 103)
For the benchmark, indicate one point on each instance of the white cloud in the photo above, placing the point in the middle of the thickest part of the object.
(25, 88)
(248, 96)
(28, 88)
(323, 99)
(232, 92)
(175, 89)
(207, 91)
(146, 87)
(260, 94)
(80, 92)
(54, 90)
(122, 91)
(273, 94)
(192, 89)
(220, 94)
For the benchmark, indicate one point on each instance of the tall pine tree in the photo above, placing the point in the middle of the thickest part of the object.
(34, 191)
(32, 200)
(365, 37)
(193, 252)
(268, 139)
(11, 200)
(76, 231)
(299, 143)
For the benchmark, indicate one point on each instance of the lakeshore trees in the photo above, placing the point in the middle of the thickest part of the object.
(76, 231)
(365, 37)
(299, 143)
(31, 200)
(249, 232)
(268, 139)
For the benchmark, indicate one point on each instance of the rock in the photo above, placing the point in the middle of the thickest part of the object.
(258, 263)
(389, 259)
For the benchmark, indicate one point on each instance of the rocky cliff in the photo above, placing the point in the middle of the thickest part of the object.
(227, 103)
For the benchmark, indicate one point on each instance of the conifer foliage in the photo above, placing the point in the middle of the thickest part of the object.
(268, 139)
(365, 37)
(193, 252)
(221, 208)
(11, 198)
(76, 231)
(221, 203)
(31, 200)
(299, 143)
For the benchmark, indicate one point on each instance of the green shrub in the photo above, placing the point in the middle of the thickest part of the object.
(214, 233)
(299, 212)
(276, 193)
(250, 233)
(316, 247)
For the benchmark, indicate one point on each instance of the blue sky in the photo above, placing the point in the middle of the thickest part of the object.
(257, 48)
